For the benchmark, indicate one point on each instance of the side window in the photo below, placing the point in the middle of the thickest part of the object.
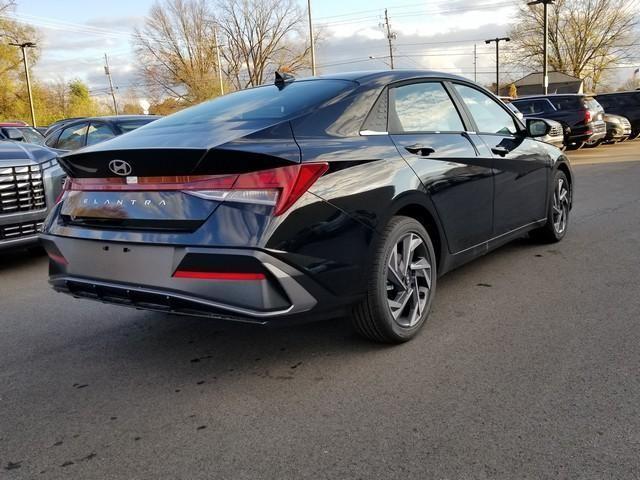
(543, 106)
(99, 132)
(526, 107)
(488, 115)
(422, 107)
(52, 140)
(72, 138)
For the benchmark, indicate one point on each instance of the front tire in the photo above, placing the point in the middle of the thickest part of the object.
(401, 284)
(558, 215)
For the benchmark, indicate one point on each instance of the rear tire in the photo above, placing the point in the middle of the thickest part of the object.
(399, 292)
(558, 215)
(595, 144)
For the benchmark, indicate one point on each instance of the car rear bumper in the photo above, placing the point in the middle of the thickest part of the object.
(97, 269)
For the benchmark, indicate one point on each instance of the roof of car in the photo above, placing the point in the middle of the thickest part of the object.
(13, 124)
(552, 95)
(366, 76)
(618, 93)
(116, 118)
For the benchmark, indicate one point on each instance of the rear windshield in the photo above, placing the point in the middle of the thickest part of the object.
(567, 103)
(592, 104)
(260, 103)
(132, 125)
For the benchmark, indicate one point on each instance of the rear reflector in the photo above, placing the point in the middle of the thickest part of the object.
(280, 187)
(218, 275)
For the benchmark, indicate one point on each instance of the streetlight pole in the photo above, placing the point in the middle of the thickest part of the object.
(497, 40)
(215, 34)
(390, 37)
(545, 42)
(312, 42)
(23, 47)
(107, 71)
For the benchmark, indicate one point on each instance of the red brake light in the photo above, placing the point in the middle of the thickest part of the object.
(292, 182)
(280, 187)
(587, 116)
(218, 275)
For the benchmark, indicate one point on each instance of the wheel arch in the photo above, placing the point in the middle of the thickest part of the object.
(564, 168)
(417, 207)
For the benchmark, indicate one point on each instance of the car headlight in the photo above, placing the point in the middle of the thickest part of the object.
(49, 164)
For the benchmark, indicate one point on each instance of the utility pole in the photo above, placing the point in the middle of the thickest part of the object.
(390, 36)
(545, 73)
(23, 47)
(312, 42)
(215, 34)
(497, 40)
(475, 62)
(107, 72)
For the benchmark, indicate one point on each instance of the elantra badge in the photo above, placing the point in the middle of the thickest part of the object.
(120, 167)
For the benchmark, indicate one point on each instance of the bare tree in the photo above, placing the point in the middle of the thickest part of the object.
(259, 37)
(176, 50)
(586, 37)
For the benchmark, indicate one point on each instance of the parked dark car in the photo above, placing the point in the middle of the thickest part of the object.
(89, 131)
(626, 104)
(20, 133)
(618, 128)
(30, 183)
(290, 202)
(582, 114)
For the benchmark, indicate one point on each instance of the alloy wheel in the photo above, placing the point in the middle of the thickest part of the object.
(408, 279)
(560, 206)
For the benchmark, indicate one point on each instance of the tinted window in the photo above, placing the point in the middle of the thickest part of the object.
(31, 135)
(260, 103)
(489, 116)
(423, 107)
(52, 140)
(132, 125)
(567, 103)
(72, 138)
(99, 132)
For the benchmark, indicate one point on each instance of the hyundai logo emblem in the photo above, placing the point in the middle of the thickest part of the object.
(120, 167)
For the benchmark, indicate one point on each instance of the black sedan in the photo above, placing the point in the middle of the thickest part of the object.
(81, 132)
(340, 195)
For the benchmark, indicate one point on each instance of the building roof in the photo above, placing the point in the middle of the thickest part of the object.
(554, 77)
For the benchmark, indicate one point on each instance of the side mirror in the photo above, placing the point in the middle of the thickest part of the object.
(15, 134)
(537, 128)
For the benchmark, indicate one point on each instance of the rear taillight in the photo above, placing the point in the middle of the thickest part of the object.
(587, 116)
(66, 185)
(280, 187)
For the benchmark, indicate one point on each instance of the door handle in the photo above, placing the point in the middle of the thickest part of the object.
(418, 149)
(498, 150)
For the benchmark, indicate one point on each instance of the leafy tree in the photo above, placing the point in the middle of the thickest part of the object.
(260, 37)
(177, 51)
(586, 37)
(166, 107)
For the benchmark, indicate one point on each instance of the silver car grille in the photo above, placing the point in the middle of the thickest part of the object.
(21, 189)
(17, 230)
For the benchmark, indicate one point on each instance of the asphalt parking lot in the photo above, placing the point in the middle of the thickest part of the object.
(529, 367)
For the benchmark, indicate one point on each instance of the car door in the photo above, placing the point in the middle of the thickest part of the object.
(521, 165)
(430, 134)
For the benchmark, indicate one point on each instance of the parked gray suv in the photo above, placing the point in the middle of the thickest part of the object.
(30, 183)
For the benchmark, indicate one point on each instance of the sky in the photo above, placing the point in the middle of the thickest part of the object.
(434, 34)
